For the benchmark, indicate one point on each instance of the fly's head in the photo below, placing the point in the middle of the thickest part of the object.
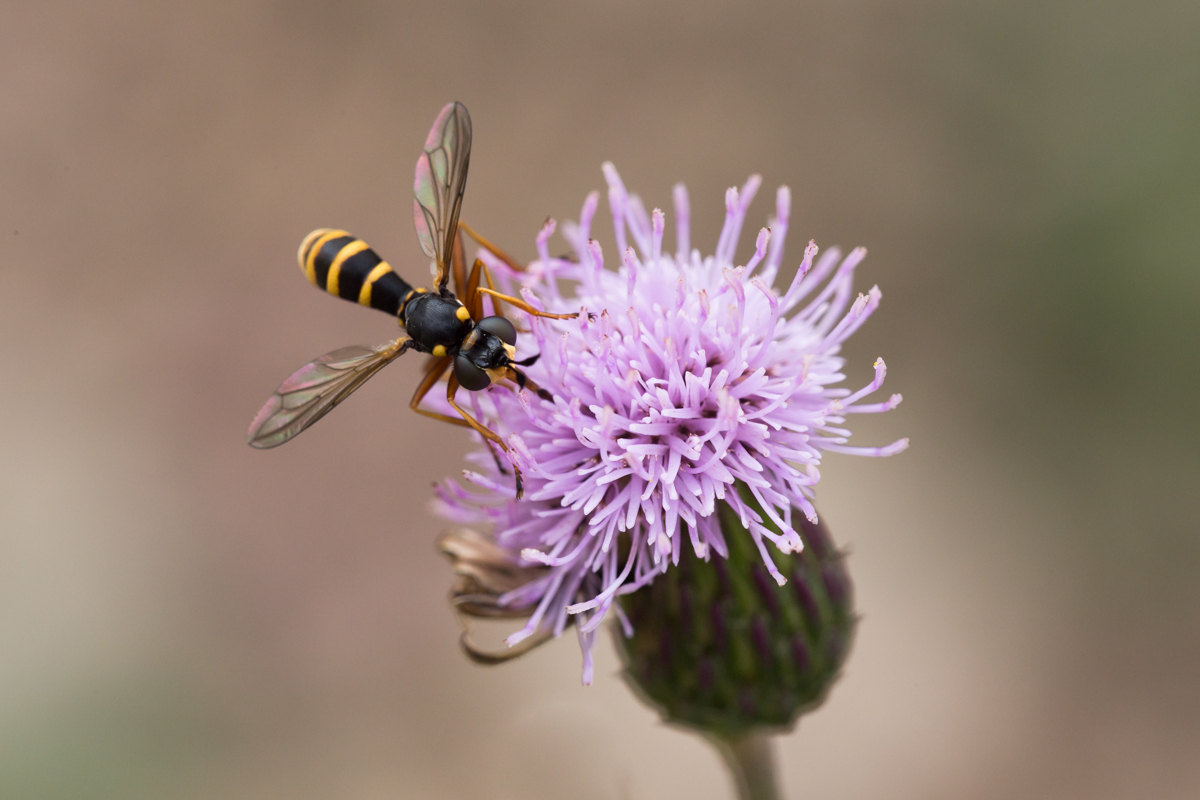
(485, 353)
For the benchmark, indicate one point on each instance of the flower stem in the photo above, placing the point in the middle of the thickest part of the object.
(751, 762)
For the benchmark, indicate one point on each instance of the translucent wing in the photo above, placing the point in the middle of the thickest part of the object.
(313, 390)
(458, 266)
(438, 186)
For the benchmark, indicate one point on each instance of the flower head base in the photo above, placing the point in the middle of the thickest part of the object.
(694, 376)
(719, 647)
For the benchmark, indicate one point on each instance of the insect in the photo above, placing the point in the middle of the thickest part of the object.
(476, 350)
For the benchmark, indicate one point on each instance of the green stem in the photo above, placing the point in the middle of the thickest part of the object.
(751, 761)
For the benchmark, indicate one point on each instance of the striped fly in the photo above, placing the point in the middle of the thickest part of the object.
(448, 325)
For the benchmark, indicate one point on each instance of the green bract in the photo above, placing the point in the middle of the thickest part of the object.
(720, 646)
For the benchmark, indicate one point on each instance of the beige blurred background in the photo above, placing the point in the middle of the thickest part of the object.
(184, 617)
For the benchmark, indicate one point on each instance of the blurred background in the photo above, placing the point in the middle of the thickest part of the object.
(184, 617)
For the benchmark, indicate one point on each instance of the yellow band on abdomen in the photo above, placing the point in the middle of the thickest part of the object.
(381, 269)
(308, 262)
(352, 249)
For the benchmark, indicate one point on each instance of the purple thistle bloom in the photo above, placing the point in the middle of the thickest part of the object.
(694, 374)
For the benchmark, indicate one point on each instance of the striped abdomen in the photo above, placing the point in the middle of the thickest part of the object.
(346, 267)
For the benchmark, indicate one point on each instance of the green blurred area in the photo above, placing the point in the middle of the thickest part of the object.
(1084, 118)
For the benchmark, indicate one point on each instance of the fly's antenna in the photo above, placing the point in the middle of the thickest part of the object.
(523, 381)
(528, 362)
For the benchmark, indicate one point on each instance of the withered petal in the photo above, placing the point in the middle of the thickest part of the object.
(492, 657)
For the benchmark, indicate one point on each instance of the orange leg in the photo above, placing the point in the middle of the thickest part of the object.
(436, 370)
(471, 298)
(496, 304)
(521, 304)
(496, 251)
(491, 290)
(474, 301)
(486, 432)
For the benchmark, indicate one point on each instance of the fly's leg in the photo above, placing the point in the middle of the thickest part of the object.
(435, 371)
(483, 430)
(524, 382)
(508, 260)
(521, 304)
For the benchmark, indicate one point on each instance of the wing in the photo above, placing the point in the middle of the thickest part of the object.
(471, 297)
(313, 390)
(441, 176)
(458, 266)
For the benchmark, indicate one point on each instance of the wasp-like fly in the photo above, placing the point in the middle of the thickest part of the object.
(476, 350)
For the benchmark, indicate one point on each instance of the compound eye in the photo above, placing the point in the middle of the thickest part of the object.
(500, 328)
(470, 377)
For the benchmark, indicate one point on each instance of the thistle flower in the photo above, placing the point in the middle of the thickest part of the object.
(695, 385)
